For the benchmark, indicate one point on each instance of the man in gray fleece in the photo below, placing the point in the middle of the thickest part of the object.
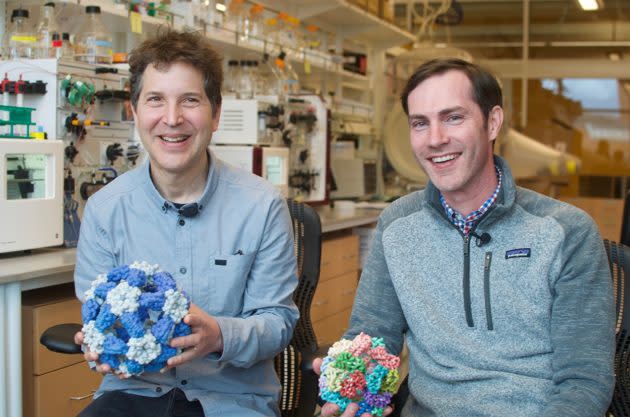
(502, 295)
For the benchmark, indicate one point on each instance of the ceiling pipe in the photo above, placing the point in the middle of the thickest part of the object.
(524, 89)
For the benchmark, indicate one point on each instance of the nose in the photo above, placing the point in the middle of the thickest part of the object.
(173, 115)
(437, 135)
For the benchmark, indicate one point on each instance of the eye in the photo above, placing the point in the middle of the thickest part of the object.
(454, 119)
(190, 101)
(418, 124)
(153, 100)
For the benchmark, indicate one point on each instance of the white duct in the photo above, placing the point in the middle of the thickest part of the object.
(529, 158)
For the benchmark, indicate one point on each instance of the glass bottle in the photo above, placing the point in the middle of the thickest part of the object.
(67, 50)
(251, 23)
(46, 28)
(244, 81)
(57, 46)
(232, 77)
(93, 44)
(22, 41)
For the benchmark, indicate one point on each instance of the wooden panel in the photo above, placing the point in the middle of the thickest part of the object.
(334, 295)
(40, 317)
(606, 212)
(330, 329)
(339, 255)
(54, 391)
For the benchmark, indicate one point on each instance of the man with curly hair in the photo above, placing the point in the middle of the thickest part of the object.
(224, 234)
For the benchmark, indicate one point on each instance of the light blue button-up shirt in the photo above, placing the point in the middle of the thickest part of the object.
(234, 258)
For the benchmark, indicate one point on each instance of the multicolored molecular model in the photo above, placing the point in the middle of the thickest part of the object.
(359, 371)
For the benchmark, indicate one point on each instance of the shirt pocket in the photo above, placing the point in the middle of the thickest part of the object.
(226, 283)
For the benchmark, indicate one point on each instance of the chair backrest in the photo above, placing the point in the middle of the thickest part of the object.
(625, 221)
(307, 233)
(619, 259)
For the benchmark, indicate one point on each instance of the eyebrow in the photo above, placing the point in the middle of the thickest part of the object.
(440, 113)
(160, 93)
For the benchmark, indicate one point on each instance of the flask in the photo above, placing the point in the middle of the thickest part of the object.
(46, 29)
(22, 41)
(93, 44)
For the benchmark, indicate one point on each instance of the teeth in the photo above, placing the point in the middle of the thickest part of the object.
(174, 139)
(444, 158)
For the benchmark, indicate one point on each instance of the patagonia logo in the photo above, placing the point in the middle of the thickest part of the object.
(221, 262)
(518, 253)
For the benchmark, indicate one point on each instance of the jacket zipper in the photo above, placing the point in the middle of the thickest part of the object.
(466, 282)
(486, 289)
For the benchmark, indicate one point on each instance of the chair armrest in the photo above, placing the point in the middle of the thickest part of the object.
(60, 338)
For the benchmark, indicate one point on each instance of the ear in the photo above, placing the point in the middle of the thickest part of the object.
(215, 118)
(495, 121)
(133, 111)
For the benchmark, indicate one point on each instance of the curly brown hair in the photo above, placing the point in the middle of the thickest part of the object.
(168, 46)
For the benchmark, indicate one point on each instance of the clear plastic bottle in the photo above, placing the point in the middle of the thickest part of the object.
(22, 41)
(93, 44)
(46, 28)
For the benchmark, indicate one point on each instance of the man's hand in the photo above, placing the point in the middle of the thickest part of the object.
(332, 409)
(91, 356)
(205, 338)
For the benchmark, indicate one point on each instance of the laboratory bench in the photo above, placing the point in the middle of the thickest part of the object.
(29, 371)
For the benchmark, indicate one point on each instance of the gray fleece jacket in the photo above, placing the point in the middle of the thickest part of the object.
(520, 326)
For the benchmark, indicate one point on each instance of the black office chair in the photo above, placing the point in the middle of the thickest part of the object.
(293, 365)
(619, 258)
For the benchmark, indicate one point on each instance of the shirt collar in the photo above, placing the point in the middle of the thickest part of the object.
(466, 223)
(159, 202)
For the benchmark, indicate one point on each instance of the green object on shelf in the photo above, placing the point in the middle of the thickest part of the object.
(18, 116)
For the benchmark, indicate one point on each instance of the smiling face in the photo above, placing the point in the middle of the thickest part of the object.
(450, 138)
(175, 121)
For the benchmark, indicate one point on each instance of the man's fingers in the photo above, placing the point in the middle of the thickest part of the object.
(183, 342)
(193, 320)
(78, 338)
(183, 357)
(329, 409)
(317, 365)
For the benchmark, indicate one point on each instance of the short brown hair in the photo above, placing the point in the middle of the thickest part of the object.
(486, 91)
(169, 46)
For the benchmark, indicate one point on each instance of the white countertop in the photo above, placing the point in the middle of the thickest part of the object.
(39, 263)
(336, 219)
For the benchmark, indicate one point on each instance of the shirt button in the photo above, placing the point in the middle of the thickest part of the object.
(182, 222)
(184, 382)
(158, 389)
(182, 270)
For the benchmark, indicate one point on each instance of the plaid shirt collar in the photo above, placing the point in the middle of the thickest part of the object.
(465, 224)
